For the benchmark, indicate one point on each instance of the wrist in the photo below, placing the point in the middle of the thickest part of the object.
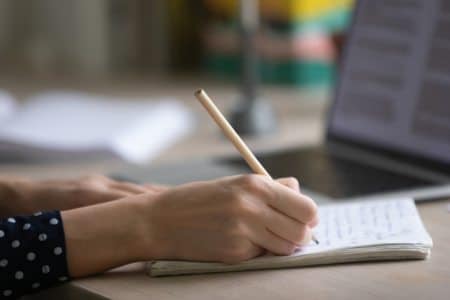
(148, 247)
(114, 233)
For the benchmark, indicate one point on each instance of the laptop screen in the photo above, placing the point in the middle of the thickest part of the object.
(394, 84)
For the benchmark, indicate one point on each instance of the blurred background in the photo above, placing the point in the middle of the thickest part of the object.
(138, 50)
(298, 40)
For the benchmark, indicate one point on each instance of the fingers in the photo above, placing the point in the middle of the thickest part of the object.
(273, 243)
(295, 205)
(285, 199)
(241, 252)
(91, 198)
(122, 188)
(287, 228)
(307, 237)
(290, 182)
(128, 187)
(314, 222)
(156, 187)
(276, 244)
(285, 212)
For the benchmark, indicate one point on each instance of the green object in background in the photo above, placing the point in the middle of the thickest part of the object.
(223, 65)
(301, 73)
(298, 60)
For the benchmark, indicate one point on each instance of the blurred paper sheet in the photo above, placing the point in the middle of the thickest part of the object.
(7, 106)
(64, 125)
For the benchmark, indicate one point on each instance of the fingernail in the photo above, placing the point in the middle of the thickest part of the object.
(307, 239)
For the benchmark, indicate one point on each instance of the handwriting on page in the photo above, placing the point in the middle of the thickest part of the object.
(363, 223)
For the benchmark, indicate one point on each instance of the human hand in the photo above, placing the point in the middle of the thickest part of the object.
(228, 220)
(32, 196)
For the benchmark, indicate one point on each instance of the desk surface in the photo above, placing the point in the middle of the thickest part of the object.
(304, 112)
(428, 279)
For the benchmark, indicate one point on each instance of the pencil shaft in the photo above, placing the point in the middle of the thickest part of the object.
(230, 133)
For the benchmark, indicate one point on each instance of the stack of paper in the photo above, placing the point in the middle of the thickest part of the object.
(62, 125)
(349, 232)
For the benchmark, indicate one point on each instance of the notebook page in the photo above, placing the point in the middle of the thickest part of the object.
(367, 223)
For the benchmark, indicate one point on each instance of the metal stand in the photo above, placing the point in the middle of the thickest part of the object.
(253, 115)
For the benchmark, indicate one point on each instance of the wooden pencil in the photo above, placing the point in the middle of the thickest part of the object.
(232, 135)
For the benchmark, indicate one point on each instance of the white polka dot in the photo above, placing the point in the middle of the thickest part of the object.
(26, 226)
(15, 244)
(57, 250)
(62, 278)
(18, 275)
(2, 233)
(37, 213)
(3, 263)
(54, 221)
(35, 285)
(45, 269)
(7, 293)
(42, 237)
(31, 256)
(11, 220)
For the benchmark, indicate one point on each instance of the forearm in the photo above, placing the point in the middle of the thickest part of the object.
(20, 196)
(104, 236)
(14, 198)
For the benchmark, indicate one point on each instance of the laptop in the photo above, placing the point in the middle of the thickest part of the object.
(388, 127)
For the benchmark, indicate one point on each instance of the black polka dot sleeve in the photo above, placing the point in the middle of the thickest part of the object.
(32, 254)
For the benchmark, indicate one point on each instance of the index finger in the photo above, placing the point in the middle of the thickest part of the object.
(291, 203)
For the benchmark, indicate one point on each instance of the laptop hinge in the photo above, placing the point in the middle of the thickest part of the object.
(388, 162)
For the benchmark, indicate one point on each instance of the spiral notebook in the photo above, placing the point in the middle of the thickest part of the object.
(348, 232)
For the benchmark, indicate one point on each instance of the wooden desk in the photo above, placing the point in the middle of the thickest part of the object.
(429, 279)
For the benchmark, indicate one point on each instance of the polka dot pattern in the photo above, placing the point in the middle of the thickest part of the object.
(32, 254)
(42, 237)
(7, 293)
(57, 251)
(3, 263)
(54, 221)
(19, 275)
